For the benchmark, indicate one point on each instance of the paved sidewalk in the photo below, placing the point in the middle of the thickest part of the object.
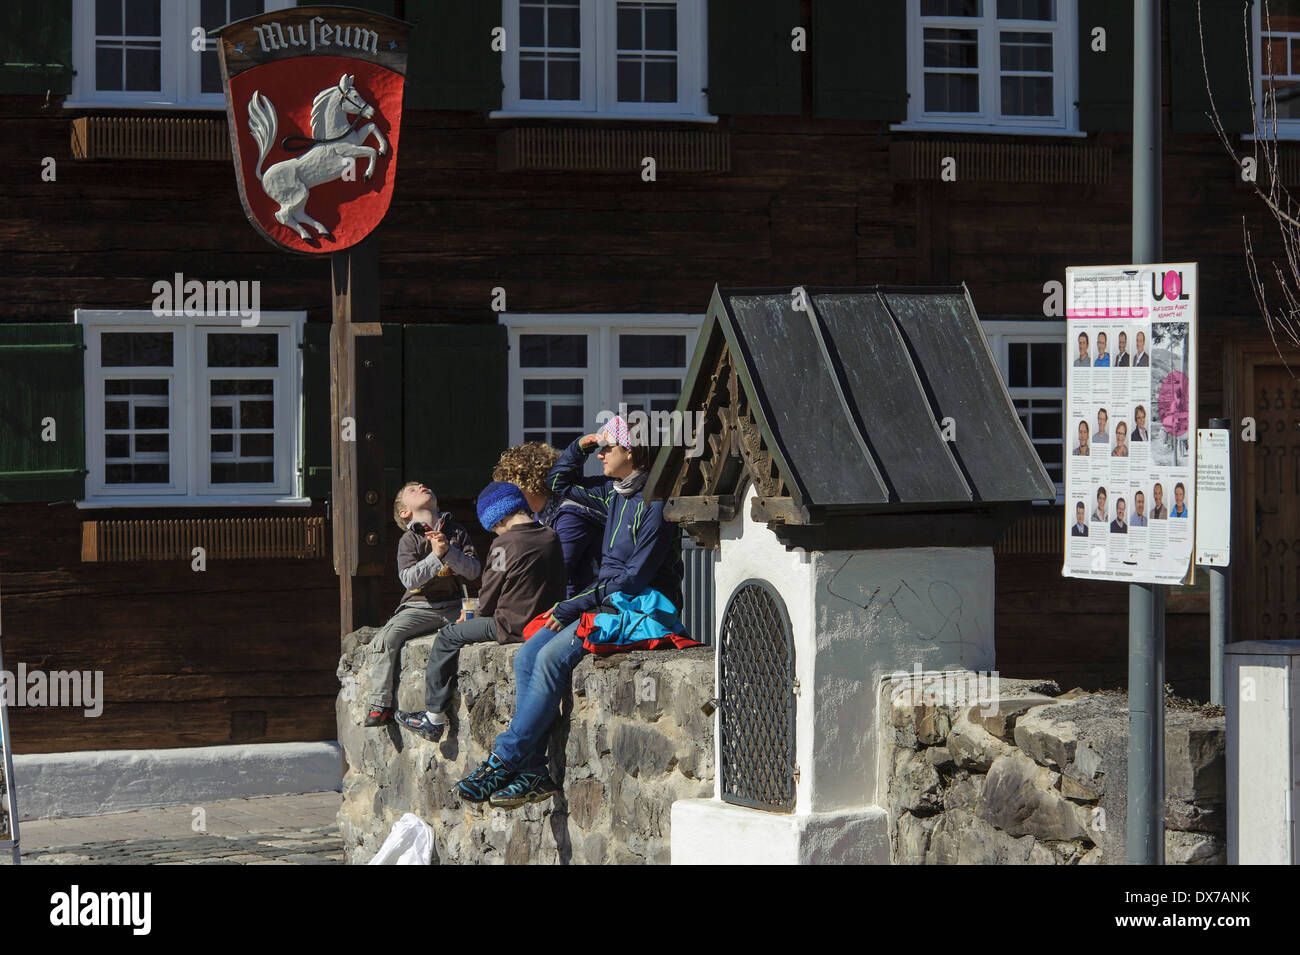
(275, 830)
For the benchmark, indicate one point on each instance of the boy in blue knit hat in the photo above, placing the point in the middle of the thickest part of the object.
(522, 576)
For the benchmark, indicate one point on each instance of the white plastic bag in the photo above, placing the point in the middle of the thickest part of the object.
(410, 843)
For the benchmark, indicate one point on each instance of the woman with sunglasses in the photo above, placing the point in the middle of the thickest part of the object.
(640, 557)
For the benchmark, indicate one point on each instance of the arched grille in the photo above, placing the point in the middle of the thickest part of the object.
(756, 677)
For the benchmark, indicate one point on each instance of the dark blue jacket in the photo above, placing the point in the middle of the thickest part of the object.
(639, 549)
(579, 529)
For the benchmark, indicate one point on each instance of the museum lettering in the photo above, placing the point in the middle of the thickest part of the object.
(271, 36)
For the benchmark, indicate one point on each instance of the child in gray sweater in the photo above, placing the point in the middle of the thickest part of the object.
(433, 567)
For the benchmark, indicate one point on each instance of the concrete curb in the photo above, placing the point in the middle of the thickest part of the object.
(63, 785)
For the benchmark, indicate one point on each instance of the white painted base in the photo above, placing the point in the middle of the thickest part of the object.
(712, 832)
(62, 785)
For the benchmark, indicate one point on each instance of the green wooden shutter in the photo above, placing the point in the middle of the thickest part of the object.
(1106, 77)
(1227, 60)
(457, 415)
(452, 64)
(316, 409)
(752, 69)
(859, 53)
(42, 375)
(316, 456)
(36, 46)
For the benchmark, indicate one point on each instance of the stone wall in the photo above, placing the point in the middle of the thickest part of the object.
(1040, 778)
(633, 741)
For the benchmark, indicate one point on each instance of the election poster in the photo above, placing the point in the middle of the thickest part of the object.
(1130, 474)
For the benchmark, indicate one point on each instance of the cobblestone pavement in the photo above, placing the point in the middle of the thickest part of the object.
(278, 830)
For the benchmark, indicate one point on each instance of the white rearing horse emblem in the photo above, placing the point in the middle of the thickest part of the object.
(336, 143)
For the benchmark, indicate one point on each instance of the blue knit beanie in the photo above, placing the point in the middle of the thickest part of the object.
(498, 501)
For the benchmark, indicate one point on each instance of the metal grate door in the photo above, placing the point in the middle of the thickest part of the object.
(756, 679)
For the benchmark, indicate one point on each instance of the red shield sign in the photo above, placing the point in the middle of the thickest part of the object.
(314, 102)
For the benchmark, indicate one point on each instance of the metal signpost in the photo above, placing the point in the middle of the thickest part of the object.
(1145, 825)
(1213, 536)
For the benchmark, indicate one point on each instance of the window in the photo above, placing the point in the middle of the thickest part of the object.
(1031, 357)
(140, 52)
(1279, 67)
(606, 59)
(992, 66)
(565, 370)
(191, 411)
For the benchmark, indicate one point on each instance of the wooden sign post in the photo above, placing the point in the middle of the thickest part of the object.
(314, 103)
(357, 461)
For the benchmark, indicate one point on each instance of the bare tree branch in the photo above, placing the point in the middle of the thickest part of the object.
(1268, 166)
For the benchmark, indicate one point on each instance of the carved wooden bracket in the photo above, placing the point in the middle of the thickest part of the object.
(713, 507)
(778, 510)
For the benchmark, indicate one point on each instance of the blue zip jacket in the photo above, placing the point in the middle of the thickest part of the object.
(640, 549)
(646, 617)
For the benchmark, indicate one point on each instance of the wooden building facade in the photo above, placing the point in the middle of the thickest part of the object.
(534, 273)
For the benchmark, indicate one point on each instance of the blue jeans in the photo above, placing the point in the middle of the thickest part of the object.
(543, 666)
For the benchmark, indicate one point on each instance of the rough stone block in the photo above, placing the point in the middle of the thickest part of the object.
(913, 840)
(1019, 798)
(1196, 762)
(916, 787)
(1000, 718)
(1194, 848)
(974, 747)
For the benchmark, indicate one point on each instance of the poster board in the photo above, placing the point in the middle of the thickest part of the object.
(1130, 450)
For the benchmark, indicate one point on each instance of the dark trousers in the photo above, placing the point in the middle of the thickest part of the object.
(440, 675)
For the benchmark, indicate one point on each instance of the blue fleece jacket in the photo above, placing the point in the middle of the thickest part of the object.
(639, 549)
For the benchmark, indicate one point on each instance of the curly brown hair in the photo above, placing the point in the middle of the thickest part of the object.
(526, 466)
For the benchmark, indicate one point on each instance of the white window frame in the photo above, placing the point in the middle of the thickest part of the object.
(1001, 334)
(1287, 129)
(181, 75)
(601, 377)
(1064, 58)
(600, 69)
(190, 420)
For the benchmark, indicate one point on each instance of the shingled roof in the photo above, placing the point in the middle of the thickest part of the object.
(843, 403)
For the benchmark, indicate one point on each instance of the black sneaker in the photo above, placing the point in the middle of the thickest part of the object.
(524, 788)
(491, 775)
(379, 716)
(420, 724)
